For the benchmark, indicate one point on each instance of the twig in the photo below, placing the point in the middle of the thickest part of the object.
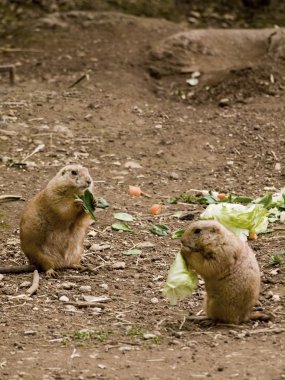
(15, 50)
(274, 155)
(145, 195)
(35, 284)
(182, 323)
(160, 322)
(277, 330)
(99, 266)
(39, 148)
(10, 198)
(84, 76)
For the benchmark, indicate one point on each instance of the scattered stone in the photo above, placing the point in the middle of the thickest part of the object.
(72, 309)
(125, 348)
(96, 299)
(1, 277)
(132, 165)
(85, 288)
(277, 166)
(52, 21)
(225, 102)
(148, 336)
(119, 265)
(97, 310)
(274, 272)
(30, 332)
(104, 286)
(67, 285)
(87, 244)
(276, 298)
(64, 299)
(192, 82)
(92, 233)
(154, 300)
(62, 130)
(173, 175)
(99, 247)
(196, 74)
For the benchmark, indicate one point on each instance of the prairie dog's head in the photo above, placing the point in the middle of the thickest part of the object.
(210, 249)
(72, 179)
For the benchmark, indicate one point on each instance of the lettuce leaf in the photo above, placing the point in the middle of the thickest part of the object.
(88, 203)
(240, 219)
(181, 282)
(270, 201)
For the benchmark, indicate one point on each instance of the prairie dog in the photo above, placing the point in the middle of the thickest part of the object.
(228, 267)
(53, 224)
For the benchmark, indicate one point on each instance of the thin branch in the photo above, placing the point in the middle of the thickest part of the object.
(10, 198)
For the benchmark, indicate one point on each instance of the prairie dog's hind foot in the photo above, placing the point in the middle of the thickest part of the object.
(260, 316)
(51, 273)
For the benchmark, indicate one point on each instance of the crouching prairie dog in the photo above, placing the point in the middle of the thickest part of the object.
(229, 269)
(53, 224)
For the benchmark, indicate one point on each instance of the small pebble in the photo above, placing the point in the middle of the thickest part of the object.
(64, 299)
(1, 277)
(92, 233)
(132, 165)
(224, 102)
(85, 288)
(147, 336)
(67, 285)
(99, 247)
(119, 265)
(71, 308)
(174, 175)
(276, 298)
(125, 348)
(30, 332)
(154, 300)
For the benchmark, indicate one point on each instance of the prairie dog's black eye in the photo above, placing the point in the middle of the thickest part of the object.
(197, 231)
(74, 172)
(63, 172)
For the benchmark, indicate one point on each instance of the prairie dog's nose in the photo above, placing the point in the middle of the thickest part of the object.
(88, 181)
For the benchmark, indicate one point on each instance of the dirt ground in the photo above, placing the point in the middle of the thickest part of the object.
(225, 134)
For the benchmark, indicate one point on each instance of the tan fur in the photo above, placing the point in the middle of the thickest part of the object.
(229, 268)
(53, 224)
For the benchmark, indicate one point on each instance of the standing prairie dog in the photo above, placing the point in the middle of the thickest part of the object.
(53, 224)
(228, 267)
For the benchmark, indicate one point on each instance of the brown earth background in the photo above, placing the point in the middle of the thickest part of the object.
(226, 133)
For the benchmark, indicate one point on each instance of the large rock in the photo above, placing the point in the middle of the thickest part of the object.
(208, 50)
